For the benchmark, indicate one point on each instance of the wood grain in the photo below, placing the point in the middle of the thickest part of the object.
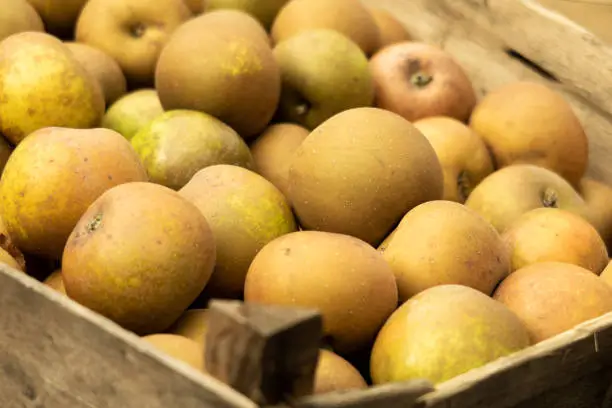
(479, 34)
(56, 354)
(594, 15)
(266, 352)
(396, 395)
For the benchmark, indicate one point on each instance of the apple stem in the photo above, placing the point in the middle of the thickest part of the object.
(421, 79)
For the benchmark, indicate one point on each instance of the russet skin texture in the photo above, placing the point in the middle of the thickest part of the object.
(552, 297)
(192, 324)
(102, 67)
(18, 16)
(360, 172)
(42, 85)
(232, 74)
(53, 176)
(177, 144)
(342, 276)
(273, 150)
(323, 73)
(525, 122)
(443, 332)
(245, 212)
(178, 347)
(349, 17)
(552, 234)
(503, 196)
(334, 373)
(133, 32)
(140, 255)
(425, 250)
(133, 111)
(462, 153)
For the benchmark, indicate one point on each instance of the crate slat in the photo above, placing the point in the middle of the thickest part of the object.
(57, 354)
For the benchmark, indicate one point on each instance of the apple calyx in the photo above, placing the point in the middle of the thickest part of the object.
(421, 79)
(302, 109)
(137, 30)
(549, 198)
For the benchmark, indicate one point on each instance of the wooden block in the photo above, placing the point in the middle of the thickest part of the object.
(268, 353)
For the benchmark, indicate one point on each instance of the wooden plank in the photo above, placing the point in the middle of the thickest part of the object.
(594, 15)
(396, 395)
(525, 375)
(479, 34)
(55, 353)
(267, 352)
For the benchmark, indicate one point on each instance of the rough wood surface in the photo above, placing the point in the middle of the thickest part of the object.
(56, 354)
(397, 395)
(479, 33)
(594, 15)
(268, 353)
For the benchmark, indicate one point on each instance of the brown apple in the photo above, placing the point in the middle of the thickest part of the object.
(598, 197)
(417, 80)
(18, 16)
(463, 155)
(555, 235)
(552, 297)
(133, 32)
(102, 67)
(528, 122)
(503, 196)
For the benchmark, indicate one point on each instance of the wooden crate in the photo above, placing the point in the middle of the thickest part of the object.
(55, 353)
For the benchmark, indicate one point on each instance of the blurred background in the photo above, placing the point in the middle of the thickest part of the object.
(595, 15)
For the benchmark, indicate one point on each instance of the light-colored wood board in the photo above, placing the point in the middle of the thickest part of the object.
(55, 353)
(587, 392)
(594, 15)
(394, 395)
(478, 35)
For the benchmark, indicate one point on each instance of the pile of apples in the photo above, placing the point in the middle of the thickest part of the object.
(157, 154)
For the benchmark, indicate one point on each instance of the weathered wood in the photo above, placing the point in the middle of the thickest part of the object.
(480, 34)
(595, 15)
(525, 375)
(396, 395)
(55, 353)
(268, 353)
